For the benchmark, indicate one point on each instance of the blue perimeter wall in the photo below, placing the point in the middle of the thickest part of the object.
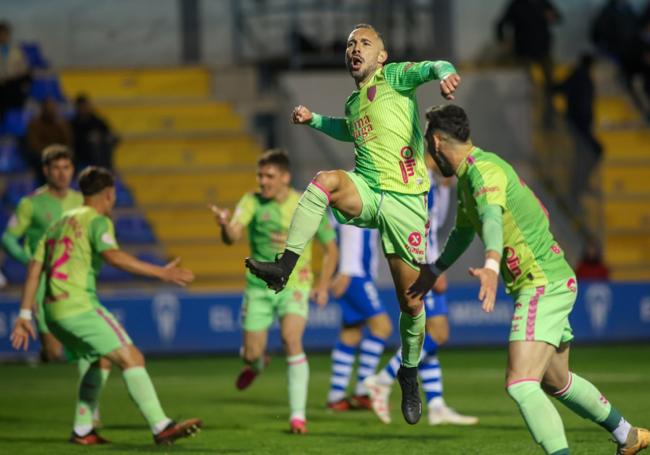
(181, 322)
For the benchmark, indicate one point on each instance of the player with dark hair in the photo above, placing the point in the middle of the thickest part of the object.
(69, 257)
(387, 189)
(266, 215)
(495, 203)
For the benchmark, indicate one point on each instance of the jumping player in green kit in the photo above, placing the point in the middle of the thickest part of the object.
(266, 215)
(69, 256)
(387, 189)
(34, 214)
(496, 204)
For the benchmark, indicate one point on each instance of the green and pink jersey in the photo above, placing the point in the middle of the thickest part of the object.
(382, 120)
(70, 252)
(531, 257)
(268, 223)
(34, 214)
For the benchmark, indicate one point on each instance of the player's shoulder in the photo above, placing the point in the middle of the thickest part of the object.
(37, 194)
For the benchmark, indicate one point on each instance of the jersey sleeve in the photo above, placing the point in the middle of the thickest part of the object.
(336, 127)
(325, 232)
(489, 184)
(22, 217)
(245, 209)
(102, 235)
(408, 76)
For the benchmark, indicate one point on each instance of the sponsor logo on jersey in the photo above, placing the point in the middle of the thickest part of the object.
(557, 250)
(571, 284)
(362, 129)
(407, 165)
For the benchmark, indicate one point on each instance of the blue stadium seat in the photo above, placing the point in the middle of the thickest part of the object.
(46, 86)
(134, 229)
(34, 56)
(10, 158)
(109, 273)
(124, 197)
(16, 189)
(14, 270)
(16, 121)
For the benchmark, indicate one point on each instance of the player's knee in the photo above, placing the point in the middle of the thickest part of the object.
(411, 306)
(292, 344)
(328, 180)
(380, 326)
(440, 337)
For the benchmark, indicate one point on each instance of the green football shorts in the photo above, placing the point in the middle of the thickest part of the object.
(542, 313)
(401, 219)
(261, 306)
(90, 335)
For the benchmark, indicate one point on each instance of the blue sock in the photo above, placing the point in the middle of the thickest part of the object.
(342, 361)
(371, 350)
(430, 372)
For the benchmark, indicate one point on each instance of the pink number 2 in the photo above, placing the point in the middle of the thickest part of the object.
(65, 257)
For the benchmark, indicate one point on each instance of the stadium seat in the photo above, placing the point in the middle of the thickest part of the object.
(13, 270)
(134, 229)
(44, 87)
(111, 274)
(34, 56)
(15, 122)
(10, 158)
(16, 189)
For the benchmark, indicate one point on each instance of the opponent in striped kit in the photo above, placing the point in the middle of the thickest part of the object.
(354, 286)
(387, 188)
(69, 256)
(495, 203)
(437, 327)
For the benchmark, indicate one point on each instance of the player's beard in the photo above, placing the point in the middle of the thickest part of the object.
(446, 169)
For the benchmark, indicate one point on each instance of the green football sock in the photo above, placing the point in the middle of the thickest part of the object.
(411, 332)
(91, 384)
(583, 398)
(144, 394)
(540, 415)
(298, 374)
(307, 217)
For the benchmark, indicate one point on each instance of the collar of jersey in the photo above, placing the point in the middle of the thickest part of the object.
(370, 80)
(464, 165)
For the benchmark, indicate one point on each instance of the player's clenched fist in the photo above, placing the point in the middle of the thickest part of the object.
(301, 115)
(448, 86)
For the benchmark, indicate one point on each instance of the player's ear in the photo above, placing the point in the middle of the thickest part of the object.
(382, 57)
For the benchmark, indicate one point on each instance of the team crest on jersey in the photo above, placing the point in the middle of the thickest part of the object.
(372, 91)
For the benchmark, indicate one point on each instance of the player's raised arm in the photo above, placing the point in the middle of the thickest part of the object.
(407, 76)
(23, 328)
(336, 127)
(171, 273)
(231, 229)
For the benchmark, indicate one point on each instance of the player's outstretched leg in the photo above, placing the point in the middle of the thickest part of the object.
(91, 384)
(250, 371)
(142, 392)
(372, 347)
(431, 376)
(583, 398)
(342, 364)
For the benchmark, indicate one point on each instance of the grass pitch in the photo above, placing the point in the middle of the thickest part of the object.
(37, 404)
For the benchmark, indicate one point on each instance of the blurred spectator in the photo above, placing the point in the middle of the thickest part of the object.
(14, 72)
(579, 90)
(530, 21)
(93, 139)
(613, 31)
(591, 266)
(48, 128)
